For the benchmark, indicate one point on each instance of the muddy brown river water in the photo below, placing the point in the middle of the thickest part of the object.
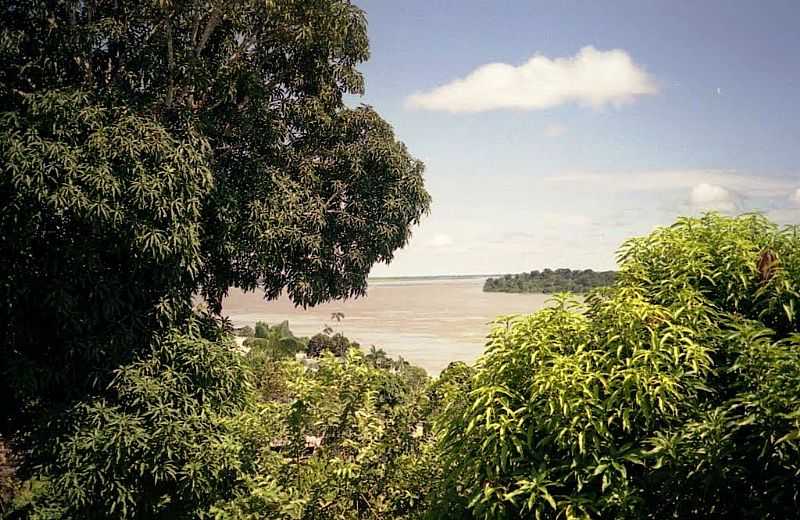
(430, 322)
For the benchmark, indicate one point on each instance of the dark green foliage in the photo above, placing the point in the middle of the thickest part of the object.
(550, 281)
(261, 330)
(156, 443)
(673, 394)
(336, 345)
(456, 378)
(151, 152)
(272, 348)
(100, 225)
(377, 357)
(273, 342)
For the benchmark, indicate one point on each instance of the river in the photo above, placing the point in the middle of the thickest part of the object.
(430, 322)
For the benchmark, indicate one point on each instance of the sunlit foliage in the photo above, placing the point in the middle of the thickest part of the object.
(673, 394)
(344, 440)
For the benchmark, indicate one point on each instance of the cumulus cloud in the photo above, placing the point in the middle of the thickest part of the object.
(592, 77)
(555, 130)
(713, 197)
(795, 198)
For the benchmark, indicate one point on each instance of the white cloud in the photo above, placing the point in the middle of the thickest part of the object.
(713, 197)
(441, 240)
(555, 130)
(795, 198)
(592, 77)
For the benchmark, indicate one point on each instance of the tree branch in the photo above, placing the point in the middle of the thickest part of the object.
(213, 22)
(171, 65)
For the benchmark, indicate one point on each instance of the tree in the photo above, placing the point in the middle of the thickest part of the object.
(336, 345)
(261, 330)
(549, 281)
(157, 443)
(152, 151)
(377, 357)
(672, 394)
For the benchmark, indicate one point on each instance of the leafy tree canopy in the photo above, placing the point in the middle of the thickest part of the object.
(673, 394)
(338, 345)
(150, 151)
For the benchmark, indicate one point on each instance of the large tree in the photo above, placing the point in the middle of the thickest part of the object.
(156, 150)
(672, 394)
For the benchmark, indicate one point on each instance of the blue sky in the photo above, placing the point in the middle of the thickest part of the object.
(632, 113)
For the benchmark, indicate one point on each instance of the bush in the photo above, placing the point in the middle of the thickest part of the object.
(336, 345)
(349, 441)
(673, 394)
(262, 329)
(270, 348)
(156, 445)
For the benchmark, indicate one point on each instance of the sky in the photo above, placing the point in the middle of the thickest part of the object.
(553, 131)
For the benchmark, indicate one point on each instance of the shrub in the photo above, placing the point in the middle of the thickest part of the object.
(673, 394)
(350, 441)
(262, 330)
(156, 445)
(336, 345)
(270, 348)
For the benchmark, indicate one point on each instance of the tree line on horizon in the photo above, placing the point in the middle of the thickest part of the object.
(549, 281)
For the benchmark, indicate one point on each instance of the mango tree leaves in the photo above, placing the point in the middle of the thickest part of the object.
(674, 393)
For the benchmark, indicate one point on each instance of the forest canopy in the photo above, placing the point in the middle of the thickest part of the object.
(551, 281)
(151, 152)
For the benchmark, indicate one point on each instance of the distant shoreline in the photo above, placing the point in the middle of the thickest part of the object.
(432, 277)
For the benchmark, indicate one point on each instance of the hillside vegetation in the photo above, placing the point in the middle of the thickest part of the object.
(154, 153)
(673, 393)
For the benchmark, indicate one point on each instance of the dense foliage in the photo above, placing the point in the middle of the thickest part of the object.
(155, 444)
(152, 150)
(345, 440)
(336, 344)
(278, 341)
(150, 153)
(196, 429)
(675, 393)
(551, 281)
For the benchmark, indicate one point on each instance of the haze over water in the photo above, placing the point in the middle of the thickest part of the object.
(430, 322)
